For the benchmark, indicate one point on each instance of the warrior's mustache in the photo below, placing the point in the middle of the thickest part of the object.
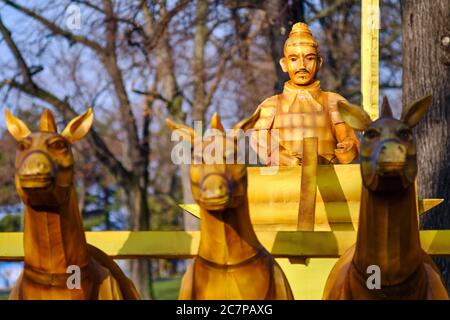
(302, 71)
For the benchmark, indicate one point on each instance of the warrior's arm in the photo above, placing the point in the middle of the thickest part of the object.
(348, 144)
(264, 142)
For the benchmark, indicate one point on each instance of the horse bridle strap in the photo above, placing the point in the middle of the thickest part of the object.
(52, 279)
(231, 266)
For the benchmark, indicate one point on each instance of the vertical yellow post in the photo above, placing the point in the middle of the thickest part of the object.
(370, 26)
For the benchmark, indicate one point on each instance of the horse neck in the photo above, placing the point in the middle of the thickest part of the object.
(55, 240)
(388, 234)
(228, 237)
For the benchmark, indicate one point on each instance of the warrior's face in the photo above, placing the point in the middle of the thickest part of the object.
(301, 62)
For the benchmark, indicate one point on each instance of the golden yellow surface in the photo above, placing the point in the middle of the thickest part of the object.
(307, 281)
(370, 24)
(184, 244)
(337, 203)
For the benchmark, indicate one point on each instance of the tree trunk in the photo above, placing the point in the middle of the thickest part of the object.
(426, 62)
(198, 66)
(139, 221)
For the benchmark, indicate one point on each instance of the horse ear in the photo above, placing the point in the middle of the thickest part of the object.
(186, 133)
(412, 114)
(354, 116)
(16, 127)
(386, 110)
(47, 121)
(249, 122)
(78, 127)
(216, 123)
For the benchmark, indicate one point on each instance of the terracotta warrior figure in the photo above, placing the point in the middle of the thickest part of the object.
(302, 110)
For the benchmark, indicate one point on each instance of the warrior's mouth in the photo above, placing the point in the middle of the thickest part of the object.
(35, 181)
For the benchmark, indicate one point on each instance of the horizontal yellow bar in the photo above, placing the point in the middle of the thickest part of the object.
(328, 215)
(182, 244)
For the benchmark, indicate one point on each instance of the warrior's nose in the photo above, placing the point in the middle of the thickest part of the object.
(34, 164)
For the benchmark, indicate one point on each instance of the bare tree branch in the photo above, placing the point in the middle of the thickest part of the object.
(25, 71)
(329, 10)
(29, 87)
(55, 28)
(102, 152)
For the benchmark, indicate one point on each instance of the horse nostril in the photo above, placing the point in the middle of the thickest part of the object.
(383, 148)
(401, 148)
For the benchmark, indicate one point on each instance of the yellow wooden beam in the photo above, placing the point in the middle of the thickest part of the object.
(184, 244)
(329, 216)
(370, 25)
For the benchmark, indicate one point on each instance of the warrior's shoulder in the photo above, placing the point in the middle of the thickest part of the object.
(333, 96)
(267, 110)
(270, 102)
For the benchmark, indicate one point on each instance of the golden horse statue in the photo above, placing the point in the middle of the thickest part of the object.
(388, 235)
(231, 262)
(55, 247)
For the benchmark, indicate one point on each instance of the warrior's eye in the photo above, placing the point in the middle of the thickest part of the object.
(58, 145)
(23, 145)
(404, 134)
(371, 134)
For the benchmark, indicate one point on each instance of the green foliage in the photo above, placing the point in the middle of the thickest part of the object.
(11, 223)
(167, 289)
(165, 214)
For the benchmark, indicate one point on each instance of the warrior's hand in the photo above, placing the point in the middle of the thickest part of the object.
(283, 158)
(287, 160)
(344, 146)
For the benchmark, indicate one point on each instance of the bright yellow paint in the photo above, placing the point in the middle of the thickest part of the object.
(370, 25)
(337, 201)
(307, 281)
(184, 244)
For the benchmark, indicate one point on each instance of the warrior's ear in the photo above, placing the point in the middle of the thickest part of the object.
(283, 64)
(354, 116)
(320, 62)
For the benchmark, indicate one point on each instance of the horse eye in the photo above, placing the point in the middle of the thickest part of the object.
(22, 146)
(58, 145)
(371, 134)
(404, 134)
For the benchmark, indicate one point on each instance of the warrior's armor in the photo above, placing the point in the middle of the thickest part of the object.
(300, 113)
